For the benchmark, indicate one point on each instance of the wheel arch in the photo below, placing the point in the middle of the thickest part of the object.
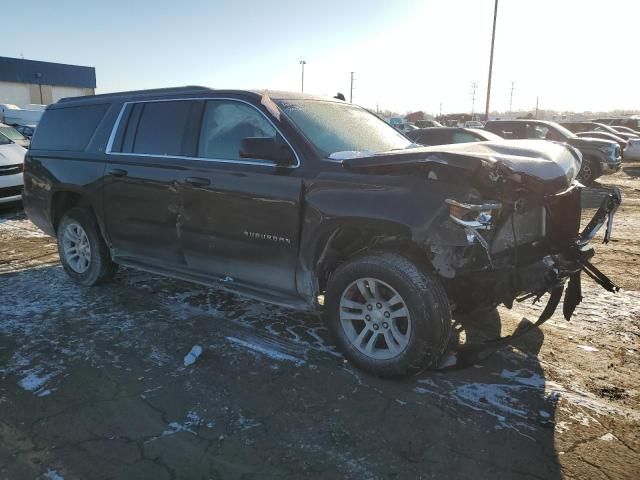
(342, 240)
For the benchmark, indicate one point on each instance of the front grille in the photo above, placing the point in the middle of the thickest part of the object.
(10, 191)
(11, 169)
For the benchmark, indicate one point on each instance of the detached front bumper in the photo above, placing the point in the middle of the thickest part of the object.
(571, 261)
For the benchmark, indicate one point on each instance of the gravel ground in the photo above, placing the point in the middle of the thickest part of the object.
(93, 386)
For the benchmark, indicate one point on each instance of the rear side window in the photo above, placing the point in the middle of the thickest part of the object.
(161, 128)
(68, 129)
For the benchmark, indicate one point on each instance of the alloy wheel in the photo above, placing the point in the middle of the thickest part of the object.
(375, 318)
(76, 248)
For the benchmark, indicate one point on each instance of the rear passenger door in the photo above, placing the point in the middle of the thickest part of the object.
(142, 203)
(241, 215)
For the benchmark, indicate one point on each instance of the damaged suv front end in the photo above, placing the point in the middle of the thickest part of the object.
(515, 233)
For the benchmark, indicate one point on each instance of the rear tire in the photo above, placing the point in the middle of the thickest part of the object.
(589, 171)
(83, 253)
(389, 317)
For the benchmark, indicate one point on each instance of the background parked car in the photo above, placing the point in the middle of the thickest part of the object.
(449, 135)
(26, 130)
(427, 124)
(11, 165)
(473, 124)
(599, 157)
(632, 150)
(576, 127)
(630, 122)
(14, 135)
(605, 136)
(620, 128)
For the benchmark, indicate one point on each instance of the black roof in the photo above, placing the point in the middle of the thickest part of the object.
(46, 73)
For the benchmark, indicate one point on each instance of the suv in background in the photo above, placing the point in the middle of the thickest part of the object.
(599, 157)
(311, 203)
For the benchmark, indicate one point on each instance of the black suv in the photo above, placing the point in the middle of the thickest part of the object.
(600, 157)
(312, 203)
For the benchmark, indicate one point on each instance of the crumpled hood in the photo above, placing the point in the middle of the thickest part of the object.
(11, 154)
(547, 166)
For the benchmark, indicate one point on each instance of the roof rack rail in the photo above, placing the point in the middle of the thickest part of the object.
(155, 91)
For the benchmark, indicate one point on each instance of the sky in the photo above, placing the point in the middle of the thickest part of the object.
(407, 55)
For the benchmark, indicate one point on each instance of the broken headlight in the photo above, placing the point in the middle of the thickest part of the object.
(472, 215)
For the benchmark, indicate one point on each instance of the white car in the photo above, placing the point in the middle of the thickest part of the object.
(632, 150)
(11, 166)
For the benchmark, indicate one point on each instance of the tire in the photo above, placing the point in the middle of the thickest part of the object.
(410, 343)
(89, 263)
(589, 171)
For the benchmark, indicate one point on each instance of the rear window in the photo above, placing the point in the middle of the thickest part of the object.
(68, 129)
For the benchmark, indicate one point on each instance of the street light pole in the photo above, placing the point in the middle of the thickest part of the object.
(493, 39)
(302, 63)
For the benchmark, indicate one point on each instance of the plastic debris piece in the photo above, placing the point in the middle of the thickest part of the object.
(588, 348)
(193, 355)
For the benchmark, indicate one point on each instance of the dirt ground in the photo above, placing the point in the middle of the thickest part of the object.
(92, 383)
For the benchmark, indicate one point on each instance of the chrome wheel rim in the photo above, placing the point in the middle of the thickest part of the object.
(375, 318)
(76, 248)
(586, 172)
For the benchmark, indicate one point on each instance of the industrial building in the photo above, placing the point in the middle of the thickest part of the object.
(24, 82)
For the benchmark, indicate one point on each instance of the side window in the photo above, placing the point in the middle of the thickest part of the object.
(225, 123)
(161, 127)
(4, 140)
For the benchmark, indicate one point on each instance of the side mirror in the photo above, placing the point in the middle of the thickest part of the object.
(266, 148)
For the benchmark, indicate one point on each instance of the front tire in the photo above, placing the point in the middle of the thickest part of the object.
(389, 316)
(83, 253)
(589, 171)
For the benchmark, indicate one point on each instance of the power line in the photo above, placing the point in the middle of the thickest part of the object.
(474, 87)
(302, 64)
(513, 85)
(493, 40)
(351, 89)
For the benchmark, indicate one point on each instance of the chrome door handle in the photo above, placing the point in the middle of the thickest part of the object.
(117, 172)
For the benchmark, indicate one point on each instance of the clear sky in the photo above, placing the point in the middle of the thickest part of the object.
(407, 54)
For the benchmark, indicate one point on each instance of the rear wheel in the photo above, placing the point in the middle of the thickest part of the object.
(589, 171)
(83, 252)
(389, 316)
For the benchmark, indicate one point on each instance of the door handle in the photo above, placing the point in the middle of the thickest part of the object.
(117, 172)
(197, 181)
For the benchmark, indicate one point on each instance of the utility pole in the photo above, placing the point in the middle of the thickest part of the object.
(513, 84)
(302, 63)
(474, 87)
(493, 39)
(351, 89)
(537, 98)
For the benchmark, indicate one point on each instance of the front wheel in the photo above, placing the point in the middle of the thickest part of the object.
(83, 252)
(389, 316)
(589, 171)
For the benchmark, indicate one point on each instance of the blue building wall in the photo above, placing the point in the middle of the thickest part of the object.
(46, 73)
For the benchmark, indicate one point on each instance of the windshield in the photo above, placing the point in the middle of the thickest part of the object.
(11, 133)
(338, 127)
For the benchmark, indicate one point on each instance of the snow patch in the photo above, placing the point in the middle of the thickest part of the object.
(266, 350)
